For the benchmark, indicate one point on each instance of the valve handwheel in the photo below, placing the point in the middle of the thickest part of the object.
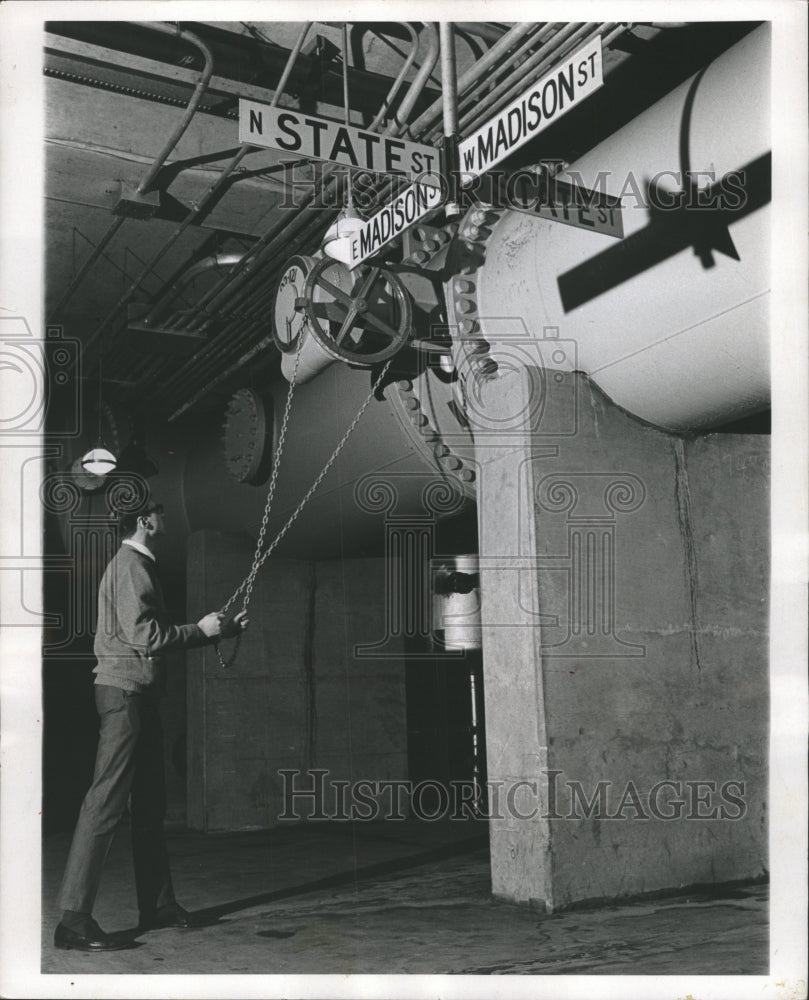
(367, 325)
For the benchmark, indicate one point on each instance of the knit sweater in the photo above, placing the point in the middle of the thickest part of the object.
(133, 630)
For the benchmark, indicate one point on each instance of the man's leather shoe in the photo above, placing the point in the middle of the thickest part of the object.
(171, 915)
(90, 938)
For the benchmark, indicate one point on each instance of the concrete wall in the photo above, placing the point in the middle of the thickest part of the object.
(361, 725)
(296, 697)
(649, 663)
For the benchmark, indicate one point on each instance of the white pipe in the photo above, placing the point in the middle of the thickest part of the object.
(449, 84)
(679, 344)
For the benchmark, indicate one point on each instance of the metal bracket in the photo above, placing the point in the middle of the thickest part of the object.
(135, 205)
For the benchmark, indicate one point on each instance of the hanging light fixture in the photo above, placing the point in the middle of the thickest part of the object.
(99, 460)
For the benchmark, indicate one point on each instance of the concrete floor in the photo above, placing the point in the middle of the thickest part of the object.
(394, 898)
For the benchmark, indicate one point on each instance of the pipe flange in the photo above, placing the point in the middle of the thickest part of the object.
(448, 462)
(427, 248)
(245, 437)
(470, 348)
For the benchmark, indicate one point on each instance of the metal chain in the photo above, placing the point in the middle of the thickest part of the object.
(247, 583)
(261, 557)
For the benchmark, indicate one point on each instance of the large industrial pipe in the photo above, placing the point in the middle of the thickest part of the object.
(671, 321)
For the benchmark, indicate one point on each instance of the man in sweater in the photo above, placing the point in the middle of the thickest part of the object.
(131, 637)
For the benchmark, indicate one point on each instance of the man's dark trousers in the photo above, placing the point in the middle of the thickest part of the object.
(129, 761)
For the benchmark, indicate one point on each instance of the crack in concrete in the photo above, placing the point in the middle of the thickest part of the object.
(684, 514)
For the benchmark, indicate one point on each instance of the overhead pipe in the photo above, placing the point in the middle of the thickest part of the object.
(399, 123)
(474, 73)
(449, 83)
(525, 73)
(482, 29)
(146, 182)
(397, 83)
(608, 32)
(537, 64)
(214, 263)
(513, 64)
(202, 206)
(433, 114)
(449, 90)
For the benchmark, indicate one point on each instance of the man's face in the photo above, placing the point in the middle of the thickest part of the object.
(156, 524)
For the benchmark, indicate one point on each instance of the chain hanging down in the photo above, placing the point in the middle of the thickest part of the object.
(260, 557)
(251, 576)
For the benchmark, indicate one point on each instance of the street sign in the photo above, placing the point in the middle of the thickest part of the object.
(321, 139)
(392, 220)
(561, 201)
(542, 104)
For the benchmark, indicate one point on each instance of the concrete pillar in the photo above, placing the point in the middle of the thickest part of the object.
(623, 580)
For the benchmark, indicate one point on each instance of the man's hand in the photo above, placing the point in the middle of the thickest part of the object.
(237, 624)
(211, 625)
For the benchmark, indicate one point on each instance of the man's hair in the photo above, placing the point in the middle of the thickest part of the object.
(127, 521)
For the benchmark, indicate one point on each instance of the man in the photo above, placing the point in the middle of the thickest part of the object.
(132, 635)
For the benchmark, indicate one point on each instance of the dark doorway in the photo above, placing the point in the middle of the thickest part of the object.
(446, 726)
